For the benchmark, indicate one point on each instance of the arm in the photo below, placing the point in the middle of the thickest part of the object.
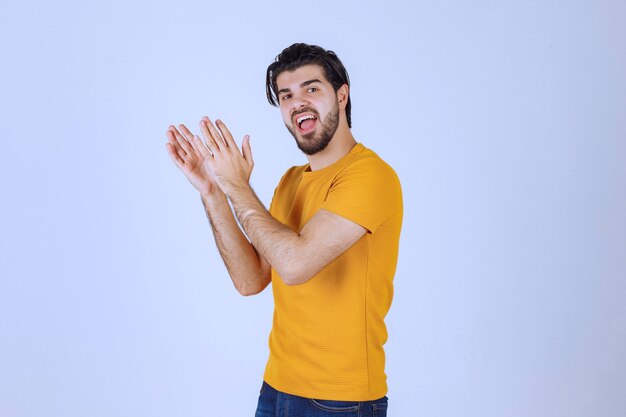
(295, 256)
(249, 272)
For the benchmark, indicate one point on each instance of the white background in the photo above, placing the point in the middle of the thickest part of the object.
(504, 120)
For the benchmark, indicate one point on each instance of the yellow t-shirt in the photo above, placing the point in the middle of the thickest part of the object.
(327, 335)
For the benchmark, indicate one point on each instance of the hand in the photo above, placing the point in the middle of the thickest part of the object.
(230, 167)
(184, 152)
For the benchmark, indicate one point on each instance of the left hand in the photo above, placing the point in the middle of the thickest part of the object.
(230, 167)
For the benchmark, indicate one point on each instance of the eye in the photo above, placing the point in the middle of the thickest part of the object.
(285, 97)
(313, 89)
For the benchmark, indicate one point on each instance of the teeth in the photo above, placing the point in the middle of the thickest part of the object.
(303, 118)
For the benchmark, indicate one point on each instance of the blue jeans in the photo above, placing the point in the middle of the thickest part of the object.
(274, 403)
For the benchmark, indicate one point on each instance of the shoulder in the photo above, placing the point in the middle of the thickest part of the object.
(292, 174)
(368, 165)
(366, 191)
(287, 185)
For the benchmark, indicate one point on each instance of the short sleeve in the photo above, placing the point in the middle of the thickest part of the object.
(283, 188)
(366, 192)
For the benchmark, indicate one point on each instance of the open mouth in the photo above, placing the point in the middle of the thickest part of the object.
(306, 123)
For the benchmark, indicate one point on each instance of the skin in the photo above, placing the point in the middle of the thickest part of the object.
(220, 172)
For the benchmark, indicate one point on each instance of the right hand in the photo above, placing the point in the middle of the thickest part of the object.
(189, 159)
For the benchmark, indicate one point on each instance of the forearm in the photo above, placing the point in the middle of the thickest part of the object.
(241, 260)
(277, 243)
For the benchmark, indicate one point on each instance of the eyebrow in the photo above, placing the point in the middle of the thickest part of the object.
(304, 84)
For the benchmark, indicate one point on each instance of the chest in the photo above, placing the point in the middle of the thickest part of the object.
(295, 205)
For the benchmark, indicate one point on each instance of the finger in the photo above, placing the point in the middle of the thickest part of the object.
(174, 156)
(228, 138)
(182, 144)
(188, 135)
(197, 150)
(192, 147)
(214, 138)
(247, 150)
(175, 143)
(206, 152)
(217, 137)
(206, 133)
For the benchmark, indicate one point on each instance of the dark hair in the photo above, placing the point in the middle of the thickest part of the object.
(300, 54)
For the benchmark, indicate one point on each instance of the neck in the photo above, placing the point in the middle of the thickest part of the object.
(338, 147)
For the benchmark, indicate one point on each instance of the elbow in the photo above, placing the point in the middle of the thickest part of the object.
(295, 276)
(245, 291)
(248, 290)
(255, 287)
(295, 280)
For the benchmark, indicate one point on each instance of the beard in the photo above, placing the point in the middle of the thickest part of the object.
(311, 143)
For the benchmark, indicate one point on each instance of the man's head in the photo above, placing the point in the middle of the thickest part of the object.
(311, 87)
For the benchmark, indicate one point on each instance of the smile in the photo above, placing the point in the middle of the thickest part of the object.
(306, 122)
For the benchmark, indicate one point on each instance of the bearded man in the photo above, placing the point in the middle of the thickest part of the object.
(328, 244)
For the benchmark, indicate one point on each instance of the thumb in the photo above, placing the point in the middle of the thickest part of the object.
(247, 150)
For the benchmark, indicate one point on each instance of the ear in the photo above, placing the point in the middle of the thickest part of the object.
(343, 93)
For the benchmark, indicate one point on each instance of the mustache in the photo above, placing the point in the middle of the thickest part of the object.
(305, 110)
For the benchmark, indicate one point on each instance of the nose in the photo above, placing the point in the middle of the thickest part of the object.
(298, 102)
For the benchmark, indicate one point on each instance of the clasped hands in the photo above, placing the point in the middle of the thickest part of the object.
(227, 166)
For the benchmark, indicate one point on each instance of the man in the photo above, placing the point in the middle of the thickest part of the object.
(328, 245)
